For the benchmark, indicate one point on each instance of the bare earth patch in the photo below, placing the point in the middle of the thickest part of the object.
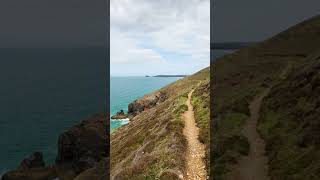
(195, 167)
(255, 165)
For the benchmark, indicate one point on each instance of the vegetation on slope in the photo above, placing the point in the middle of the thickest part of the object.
(290, 123)
(239, 77)
(201, 107)
(152, 145)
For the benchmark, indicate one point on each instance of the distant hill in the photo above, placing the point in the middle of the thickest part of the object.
(289, 123)
(170, 76)
(230, 45)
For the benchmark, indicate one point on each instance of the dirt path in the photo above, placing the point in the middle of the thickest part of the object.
(255, 165)
(195, 151)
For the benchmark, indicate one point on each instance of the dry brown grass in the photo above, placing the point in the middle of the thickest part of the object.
(153, 144)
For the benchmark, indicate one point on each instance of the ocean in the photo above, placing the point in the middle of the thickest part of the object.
(43, 93)
(124, 90)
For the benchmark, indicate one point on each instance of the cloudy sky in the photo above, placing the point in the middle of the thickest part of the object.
(149, 37)
(52, 23)
(253, 20)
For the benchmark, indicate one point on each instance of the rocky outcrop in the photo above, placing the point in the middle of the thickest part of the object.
(31, 168)
(120, 115)
(84, 146)
(33, 161)
(44, 173)
(146, 102)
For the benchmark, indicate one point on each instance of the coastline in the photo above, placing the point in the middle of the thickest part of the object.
(156, 131)
(127, 89)
(86, 152)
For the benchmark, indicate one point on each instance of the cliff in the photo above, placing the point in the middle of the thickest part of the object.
(82, 154)
(152, 145)
(287, 65)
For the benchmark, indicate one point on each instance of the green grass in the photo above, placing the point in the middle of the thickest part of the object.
(230, 143)
(289, 123)
(201, 106)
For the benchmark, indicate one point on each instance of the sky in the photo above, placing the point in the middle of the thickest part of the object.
(254, 20)
(151, 37)
(52, 23)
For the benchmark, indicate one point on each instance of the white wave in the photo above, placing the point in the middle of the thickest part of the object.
(123, 121)
(2, 172)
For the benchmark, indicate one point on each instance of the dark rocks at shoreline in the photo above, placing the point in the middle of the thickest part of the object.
(42, 173)
(83, 147)
(139, 105)
(120, 115)
(31, 168)
(33, 161)
(146, 102)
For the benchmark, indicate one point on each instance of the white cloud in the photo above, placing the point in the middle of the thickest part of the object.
(147, 32)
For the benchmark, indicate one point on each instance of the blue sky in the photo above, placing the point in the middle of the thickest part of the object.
(150, 37)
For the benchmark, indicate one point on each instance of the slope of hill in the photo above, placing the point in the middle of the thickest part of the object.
(286, 64)
(152, 145)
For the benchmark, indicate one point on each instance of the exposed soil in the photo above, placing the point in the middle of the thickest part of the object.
(195, 150)
(255, 165)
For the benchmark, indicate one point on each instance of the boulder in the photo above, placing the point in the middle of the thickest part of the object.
(120, 115)
(33, 161)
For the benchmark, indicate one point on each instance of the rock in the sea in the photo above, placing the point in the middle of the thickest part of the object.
(120, 115)
(33, 161)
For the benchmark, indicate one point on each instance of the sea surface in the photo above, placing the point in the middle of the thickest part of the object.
(43, 93)
(124, 90)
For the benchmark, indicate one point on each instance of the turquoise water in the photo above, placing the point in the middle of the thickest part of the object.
(124, 90)
(43, 93)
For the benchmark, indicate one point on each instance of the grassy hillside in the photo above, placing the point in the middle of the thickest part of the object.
(152, 145)
(201, 107)
(237, 78)
(290, 123)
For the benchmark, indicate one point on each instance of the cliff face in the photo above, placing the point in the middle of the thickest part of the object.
(82, 152)
(152, 145)
(146, 102)
(286, 63)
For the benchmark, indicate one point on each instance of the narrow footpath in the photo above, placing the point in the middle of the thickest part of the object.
(196, 150)
(255, 165)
